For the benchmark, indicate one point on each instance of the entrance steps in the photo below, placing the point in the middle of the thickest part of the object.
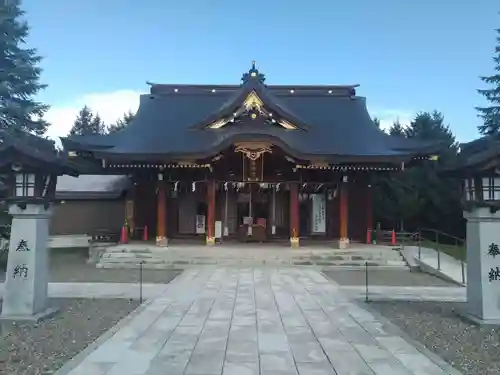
(152, 257)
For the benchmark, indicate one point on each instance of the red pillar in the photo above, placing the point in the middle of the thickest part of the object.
(294, 215)
(369, 209)
(161, 211)
(210, 212)
(344, 213)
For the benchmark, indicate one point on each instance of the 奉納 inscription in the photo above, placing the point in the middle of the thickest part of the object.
(22, 246)
(494, 274)
(493, 250)
(21, 270)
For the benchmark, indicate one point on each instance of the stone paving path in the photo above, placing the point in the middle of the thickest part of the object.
(376, 292)
(246, 321)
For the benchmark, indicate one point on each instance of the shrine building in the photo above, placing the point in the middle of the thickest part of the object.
(248, 162)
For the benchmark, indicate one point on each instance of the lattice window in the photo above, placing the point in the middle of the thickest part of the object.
(25, 185)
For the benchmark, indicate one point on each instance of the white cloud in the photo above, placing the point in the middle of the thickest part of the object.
(388, 116)
(110, 106)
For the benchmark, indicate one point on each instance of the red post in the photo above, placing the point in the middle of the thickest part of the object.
(161, 213)
(294, 215)
(344, 213)
(145, 233)
(210, 212)
(368, 236)
(124, 235)
(393, 237)
(369, 211)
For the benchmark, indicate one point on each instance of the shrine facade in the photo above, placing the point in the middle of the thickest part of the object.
(249, 162)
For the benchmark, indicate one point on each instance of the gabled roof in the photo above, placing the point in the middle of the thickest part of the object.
(92, 187)
(327, 122)
(475, 155)
(37, 152)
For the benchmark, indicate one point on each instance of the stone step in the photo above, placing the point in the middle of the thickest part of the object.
(254, 262)
(112, 259)
(131, 260)
(129, 255)
(166, 266)
(299, 257)
(146, 266)
(125, 256)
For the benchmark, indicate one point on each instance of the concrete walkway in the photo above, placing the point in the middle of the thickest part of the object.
(406, 293)
(443, 265)
(245, 321)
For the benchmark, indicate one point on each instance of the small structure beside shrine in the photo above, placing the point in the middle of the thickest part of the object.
(479, 170)
(249, 162)
(30, 166)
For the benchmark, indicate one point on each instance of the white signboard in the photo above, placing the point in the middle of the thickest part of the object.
(200, 224)
(218, 229)
(318, 213)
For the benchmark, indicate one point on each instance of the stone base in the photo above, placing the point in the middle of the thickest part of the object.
(210, 241)
(479, 321)
(36, 318)
(343, 243)
(162, 241)
(294, 242)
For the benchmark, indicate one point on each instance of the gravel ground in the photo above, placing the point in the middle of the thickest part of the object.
(44, 348)
(469, 348)
(387, 277)
(70, 265)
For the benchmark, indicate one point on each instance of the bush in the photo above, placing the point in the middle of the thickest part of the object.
(4, 246)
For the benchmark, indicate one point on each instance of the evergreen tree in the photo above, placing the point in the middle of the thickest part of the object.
(121, 123)
(418, 196)
(491, 114)
(19, 74)
(397, 129)
(430, 126)
(376, 121)
(97, 126)
(86, 123)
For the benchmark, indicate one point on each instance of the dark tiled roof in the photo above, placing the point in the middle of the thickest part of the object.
(92, 187)
(41, 150)
(171, 121)
(476, 153)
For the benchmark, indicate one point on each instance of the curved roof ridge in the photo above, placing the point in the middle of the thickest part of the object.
(237, 99)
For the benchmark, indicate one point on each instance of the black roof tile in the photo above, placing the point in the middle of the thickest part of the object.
(171, 122)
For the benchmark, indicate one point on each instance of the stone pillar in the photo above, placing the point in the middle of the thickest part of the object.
(483, 266)
(210, 240)
(344, 213)
(161, 211)
(294, 215)
(28, 271)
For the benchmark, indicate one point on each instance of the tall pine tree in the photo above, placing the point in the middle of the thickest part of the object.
(86, 123)
(397, 129)
(419, 196)
(491, 113)
(97, 126)
(19, 73)
(121, 123)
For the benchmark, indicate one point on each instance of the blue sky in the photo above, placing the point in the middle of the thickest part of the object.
(406, 55)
